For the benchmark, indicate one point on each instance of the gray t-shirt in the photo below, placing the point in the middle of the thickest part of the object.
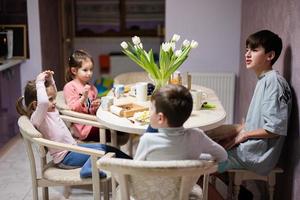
(269, 109)
(178, 144)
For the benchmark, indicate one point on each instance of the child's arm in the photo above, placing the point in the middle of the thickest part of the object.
(42, 103)
(213, 148)
(49, 78)
(243, 136)
(95, 101)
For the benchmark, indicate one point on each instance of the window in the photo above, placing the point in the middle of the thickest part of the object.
(119, 17)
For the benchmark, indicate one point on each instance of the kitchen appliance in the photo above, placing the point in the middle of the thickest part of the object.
(6, 44)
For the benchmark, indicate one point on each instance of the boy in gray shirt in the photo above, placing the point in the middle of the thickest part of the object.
(171, 106)
(256, 145)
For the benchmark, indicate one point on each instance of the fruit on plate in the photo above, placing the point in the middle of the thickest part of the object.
(142, 117)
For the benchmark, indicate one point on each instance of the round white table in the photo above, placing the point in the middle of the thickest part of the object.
(206, 119)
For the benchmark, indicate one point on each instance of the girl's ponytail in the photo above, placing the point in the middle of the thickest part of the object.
(69, 76)
(30, 100)
(20, 106)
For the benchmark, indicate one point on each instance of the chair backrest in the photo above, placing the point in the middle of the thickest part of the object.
(132, 77)
(156, 179)
(29, 132)
(49, 174)
(60, 101)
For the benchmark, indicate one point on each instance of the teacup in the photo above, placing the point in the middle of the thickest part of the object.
(118, 90)
(198, 98)
(106, 102)
(141, 91)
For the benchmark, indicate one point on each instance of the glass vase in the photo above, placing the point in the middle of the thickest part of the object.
(158, 83)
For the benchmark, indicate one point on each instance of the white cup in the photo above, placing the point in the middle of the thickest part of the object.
(198, 98)
(106, 102)
(118, 90)
(141, 91)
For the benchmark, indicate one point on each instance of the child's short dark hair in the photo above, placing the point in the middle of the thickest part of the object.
(268, 40)
(175, 102)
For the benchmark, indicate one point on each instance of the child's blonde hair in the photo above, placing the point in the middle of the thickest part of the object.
(30, 96)
(75, 60)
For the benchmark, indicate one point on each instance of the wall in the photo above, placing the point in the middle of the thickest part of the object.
(51, 40)
(215, 24)
(98, 46)
(31, 67)
(281, 17)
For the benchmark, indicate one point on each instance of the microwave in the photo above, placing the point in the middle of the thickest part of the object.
(6, 44)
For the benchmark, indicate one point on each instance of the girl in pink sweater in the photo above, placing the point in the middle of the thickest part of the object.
(81, 96)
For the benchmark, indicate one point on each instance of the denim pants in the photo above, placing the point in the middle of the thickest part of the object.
(74, 159)
(150, 129)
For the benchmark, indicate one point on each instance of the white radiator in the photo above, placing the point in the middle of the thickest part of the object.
(224, 86)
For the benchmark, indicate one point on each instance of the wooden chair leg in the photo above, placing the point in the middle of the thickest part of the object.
(102, 135)
(105, 190)
(230, 186)
(271, 185)
(113, 135)
(67, 191)
(113, 188)
(35, 190)
(205, 186)
(45, 193)
(238, 178)
(129, 145)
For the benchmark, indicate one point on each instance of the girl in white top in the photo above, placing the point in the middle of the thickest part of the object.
(39, 97)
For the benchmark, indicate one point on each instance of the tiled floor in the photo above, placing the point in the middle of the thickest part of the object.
(15, 179)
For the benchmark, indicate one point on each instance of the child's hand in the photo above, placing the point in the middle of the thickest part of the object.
(239, 138)
(45, 75)
(49, 75)
(85, 91)
(96, 103)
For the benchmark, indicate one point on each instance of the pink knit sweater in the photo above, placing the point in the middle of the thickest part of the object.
(72, 94)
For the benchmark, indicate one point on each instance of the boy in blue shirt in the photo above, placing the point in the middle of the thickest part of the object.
(256, 145)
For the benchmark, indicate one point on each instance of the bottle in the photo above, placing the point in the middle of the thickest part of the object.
(176, 78)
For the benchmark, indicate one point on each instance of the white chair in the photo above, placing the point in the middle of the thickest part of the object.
(86, 119)
(237, 176)
(50, 175)
(131, 78)
(152, 180)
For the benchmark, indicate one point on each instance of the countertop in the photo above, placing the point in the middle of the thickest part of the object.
(5, 64)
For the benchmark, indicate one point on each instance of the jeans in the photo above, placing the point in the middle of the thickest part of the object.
(151, 130)
(75, 159)
(230, 163)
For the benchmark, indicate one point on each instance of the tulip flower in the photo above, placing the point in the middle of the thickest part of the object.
(124, 45)
(178, 53)
(170, 59)
(136, 40)
(194, 44)
(186, 43)
(175, 38)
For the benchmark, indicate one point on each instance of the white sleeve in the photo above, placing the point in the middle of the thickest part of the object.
(40, 112)
(53, 83)
(213, 148)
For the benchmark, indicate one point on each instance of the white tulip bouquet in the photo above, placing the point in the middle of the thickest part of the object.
(170, 59)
